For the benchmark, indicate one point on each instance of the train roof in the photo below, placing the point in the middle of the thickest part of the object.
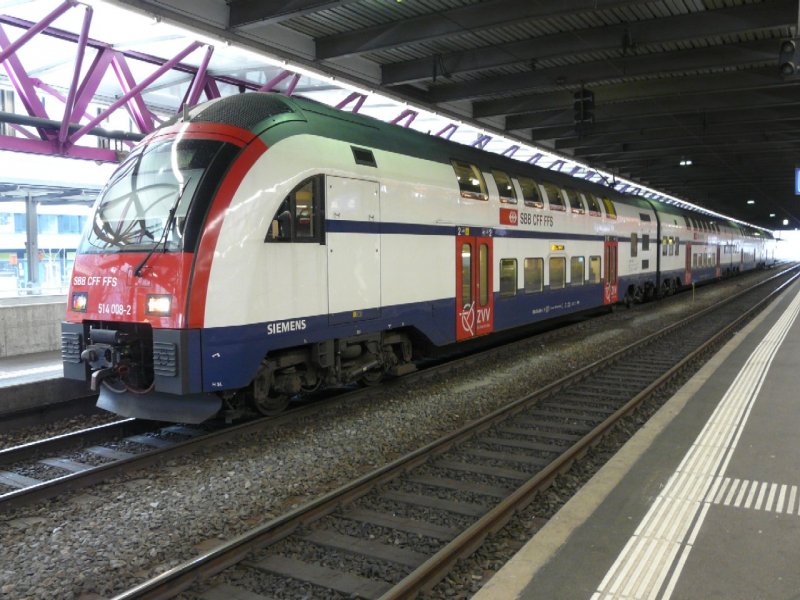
(261, 112)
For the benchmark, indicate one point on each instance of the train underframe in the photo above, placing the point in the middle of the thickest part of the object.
(137, 374)
(364, 359)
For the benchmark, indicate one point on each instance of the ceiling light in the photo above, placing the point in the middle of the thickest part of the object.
(772, 215)
(751, 201)
(686, 162)
(786, 221)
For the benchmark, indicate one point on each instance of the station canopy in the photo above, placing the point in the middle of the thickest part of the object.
(690, 101)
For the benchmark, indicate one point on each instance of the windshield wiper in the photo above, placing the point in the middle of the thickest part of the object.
(137, 272)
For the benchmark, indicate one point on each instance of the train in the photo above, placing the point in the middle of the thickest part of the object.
(258, 247)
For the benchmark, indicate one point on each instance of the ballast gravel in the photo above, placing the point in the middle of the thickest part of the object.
(108, 538)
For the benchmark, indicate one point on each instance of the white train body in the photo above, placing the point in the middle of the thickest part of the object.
(319, 247)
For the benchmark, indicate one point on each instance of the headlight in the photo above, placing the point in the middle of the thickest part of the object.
(159, 304)
(79, 301)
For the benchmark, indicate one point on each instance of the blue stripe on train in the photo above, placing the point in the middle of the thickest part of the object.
(231, 355)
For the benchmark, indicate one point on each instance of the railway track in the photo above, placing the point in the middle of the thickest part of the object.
(51, 467)
(400, 529)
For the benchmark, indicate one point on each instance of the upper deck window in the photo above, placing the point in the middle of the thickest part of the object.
(504, 187)
(594, 205)
(554, 196)
(611, 212)
(530, 192)
(575, 201)
(470, 181)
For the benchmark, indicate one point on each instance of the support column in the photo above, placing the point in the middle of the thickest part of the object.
(31, 242)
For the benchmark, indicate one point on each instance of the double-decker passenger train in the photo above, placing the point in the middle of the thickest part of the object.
(261, 246)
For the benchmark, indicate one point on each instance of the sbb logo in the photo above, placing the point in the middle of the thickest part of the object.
(509, 216)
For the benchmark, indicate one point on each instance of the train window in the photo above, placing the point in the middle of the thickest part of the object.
(664, 246)
(508, 277)
(594, 269)
(364, 157)
(470, 181)
(671, 247)
(644, 218)
(534, 275)
(577, 270)
(530, 192)
(677, 246)
(298, 217)
(466, 275)
(634, 245)
(688, 224)
(611, 212)
(645, 264)
(483, 274)
(504, 187)
(575, 201)
(593, 204)
(645, 242)
(558, 272)
(554, 196)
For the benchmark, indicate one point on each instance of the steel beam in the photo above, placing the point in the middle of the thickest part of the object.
(756, 53)
(759, 78)
(668, 132)
(264, 12)
(11, 48)
(639, 125)
(22, 83)
(440, 24)
(136, 90)
(689, 146)
(69, 105)
(696, 25)
(699, 104)
(45, 147)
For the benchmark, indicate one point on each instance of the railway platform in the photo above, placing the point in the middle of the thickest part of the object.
(702, 503)
(33, 381)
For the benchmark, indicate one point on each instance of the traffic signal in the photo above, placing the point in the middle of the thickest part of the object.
(788, 58)
(584, 106)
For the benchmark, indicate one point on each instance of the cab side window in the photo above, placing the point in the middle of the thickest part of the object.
(299, 216)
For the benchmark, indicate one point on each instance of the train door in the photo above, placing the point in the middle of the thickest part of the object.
(611, 277)
(719, 265)
(474, 294)
(687, 277)
(354, 249)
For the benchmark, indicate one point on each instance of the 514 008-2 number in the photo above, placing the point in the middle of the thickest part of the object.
(115, 309)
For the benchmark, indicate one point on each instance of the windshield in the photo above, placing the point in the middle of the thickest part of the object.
(135, 207)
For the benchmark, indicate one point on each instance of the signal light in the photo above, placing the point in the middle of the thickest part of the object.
(80, 301)
(788, 58)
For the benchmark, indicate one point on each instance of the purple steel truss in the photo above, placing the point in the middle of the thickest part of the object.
(76, 121)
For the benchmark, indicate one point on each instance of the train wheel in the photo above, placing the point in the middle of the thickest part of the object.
(265, 400)
(271, 405)
(371, 377)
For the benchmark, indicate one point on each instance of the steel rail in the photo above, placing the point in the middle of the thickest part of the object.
(181, 577)
(433, 570)
(73, 481)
